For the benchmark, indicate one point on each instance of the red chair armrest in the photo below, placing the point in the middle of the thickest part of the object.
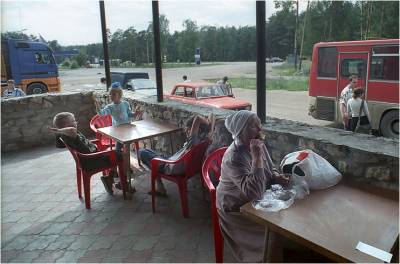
(208, 182)
(110, 153)
(160, 160)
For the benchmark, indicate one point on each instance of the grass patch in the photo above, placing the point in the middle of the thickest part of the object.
(286, 69)
(251, 83)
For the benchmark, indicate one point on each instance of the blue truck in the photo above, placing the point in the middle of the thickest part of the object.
(31, 64)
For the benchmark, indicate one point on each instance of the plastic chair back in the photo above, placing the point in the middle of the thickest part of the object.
(213, 164)
(192, 159)
(99, 121)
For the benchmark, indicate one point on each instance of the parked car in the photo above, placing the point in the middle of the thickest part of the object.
(276, 59)
(206, 94)
(267, 60)
(142, 86)
(124, 77)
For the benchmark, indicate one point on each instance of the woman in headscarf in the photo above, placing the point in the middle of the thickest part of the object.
(246, 172)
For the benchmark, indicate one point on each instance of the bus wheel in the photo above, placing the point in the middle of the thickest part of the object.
(37, 88)
(390, 124)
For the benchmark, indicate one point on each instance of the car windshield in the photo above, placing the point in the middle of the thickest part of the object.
(143, 84)
(209, 91)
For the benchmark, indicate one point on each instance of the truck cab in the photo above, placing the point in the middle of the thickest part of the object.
(31, 64)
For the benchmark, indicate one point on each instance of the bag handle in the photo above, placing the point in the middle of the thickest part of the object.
(359, 115)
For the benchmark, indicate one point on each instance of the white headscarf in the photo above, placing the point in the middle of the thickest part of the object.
(236, 122)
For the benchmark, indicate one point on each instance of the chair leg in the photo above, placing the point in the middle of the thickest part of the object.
(182, 185)
(122, 179)
(86, 189)
(137, 151)
(79, 182)
(153, 191)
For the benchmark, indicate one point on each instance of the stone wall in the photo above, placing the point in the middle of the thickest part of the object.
(24, 120)
(360, 157)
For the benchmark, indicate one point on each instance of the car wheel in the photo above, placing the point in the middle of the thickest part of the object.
(37, 88)
(390, 124)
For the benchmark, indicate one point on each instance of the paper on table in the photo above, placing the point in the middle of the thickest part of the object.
(373, 251)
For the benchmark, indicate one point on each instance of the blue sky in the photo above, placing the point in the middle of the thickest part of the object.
(78, 22)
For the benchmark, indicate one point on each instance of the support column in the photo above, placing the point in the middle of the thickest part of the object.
(105, 44)
(261, 72)
(157, 49)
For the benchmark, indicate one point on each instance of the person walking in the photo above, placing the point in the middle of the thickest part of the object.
(345, 96)
(226, 86)
(358, 110)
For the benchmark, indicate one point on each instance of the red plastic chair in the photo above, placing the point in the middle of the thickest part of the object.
(192, 164)
(99, 121)
(87, 174)
(213, 164)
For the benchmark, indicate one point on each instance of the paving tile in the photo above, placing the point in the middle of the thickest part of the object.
(55, 228)
(74, 228)
(138, 256)
(93, 229)
(7, 255)
(103, 242)
(116, 256)
(71, 256)
(41, 242)
(124, 242)
(82, 243)
(26, 256)
(144, 243)
(48, 256)
(19, 242)
(62, 242)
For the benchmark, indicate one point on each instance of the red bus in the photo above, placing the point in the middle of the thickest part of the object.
(375, 62)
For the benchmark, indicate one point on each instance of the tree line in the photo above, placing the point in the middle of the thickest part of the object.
(321, 21)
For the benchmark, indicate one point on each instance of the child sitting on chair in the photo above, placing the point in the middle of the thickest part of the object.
(65, 127)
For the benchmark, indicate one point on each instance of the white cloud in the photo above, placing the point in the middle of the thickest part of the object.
(78, 22)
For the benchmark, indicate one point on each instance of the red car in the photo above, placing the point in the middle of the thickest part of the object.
(206, 94)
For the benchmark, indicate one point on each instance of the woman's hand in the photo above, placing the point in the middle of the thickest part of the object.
(281, 179)
(256, 149)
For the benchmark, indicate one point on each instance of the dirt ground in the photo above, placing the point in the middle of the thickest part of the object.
(281, 104)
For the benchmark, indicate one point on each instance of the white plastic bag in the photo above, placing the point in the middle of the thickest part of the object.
(317, 172)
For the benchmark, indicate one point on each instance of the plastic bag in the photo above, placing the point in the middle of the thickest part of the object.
(317, 172)
(275, 199)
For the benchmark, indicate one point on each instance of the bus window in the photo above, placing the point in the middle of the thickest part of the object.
(353, 67)
(327, 62)
(385, 63)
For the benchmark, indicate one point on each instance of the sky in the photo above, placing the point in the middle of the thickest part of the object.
(74, 22)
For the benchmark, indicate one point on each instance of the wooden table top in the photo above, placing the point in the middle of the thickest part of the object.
(138, 130)
(333, 221)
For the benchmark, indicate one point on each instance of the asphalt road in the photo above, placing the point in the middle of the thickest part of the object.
(281, 104)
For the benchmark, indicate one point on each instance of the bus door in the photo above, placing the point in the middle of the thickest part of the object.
(351, 64)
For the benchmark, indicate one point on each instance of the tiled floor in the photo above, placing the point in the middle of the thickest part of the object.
(44, 221)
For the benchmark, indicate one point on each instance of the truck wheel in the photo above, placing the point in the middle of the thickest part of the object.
(37, 88)
(390, 124)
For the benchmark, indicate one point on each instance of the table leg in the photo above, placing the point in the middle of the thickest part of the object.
(273, 247)
(127, 163)
(266, 244)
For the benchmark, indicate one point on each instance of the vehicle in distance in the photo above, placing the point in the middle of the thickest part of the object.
(206, 94)
(31, 64)
(276, 59)
(375, 62)
(124, 77)
(142, 86)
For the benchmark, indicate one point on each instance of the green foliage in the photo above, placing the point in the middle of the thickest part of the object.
(74, 65)
(66, 64)
(294, 84)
